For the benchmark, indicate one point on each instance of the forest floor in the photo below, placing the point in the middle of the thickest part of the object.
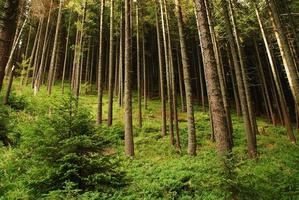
(159, 171)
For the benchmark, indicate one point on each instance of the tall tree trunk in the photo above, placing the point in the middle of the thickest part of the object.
(90, 81)
(173, 94)
(37, 55)
(78, 60)
(283, 104)
(288, 61)
(65, 56)
(33, 51)
(187, 80)
(111, 66)
(100, 67)
(7, 31)
(139, 89)
(250, 135)
(181, 81)
(166, 56)
(161, 73)
(264, 84)
(213, 84)
(120, 68)
(129, 142)
(243, 70)
(38, 79)
(52, 67)
(234, 82)
(24, 70)
(217, 54)
(200, 67)
(145, 71)
(87, 66)
(9, 86)
(14, 48)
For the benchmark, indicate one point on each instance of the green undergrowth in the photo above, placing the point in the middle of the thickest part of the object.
(43, 163)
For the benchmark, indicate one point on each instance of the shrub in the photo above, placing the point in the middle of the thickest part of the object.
(17, 102)
(70, 153)
(114, 134)
(4, 120)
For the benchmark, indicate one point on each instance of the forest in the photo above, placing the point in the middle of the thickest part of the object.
(149, 99)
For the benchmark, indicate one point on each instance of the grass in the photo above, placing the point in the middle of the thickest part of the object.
(159, 171)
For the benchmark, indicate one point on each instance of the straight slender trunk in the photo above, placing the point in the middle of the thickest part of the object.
(38, 79)
(9, 86)
(100, 67)
(265, 89)
(120, 68)
(166, 57)
(187, 81)
(234, 82)
(281, 96)
(161, 73)
(74, 60)
(139, 89)
(87, 71)
(288, 61)
(52, 63)
(240, 52)
(111, 66)
(65, 56)
(32, 55)
(129, 142)
(78, 59)
(145, 71)
(24, 70)
(116, 76)
(200, 67)
(180, 82)
(7, 31)
(213, 83)
(90, 81)
(173, 94)
(250, 135)
(14, 49)
(37, 55)
(219, 64)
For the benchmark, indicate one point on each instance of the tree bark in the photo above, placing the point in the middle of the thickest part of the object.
(213, 83)
(187, 81)
(52, 62)
(100, 67)
(129, 142)
(139, 89)
(161, 73)
(121, 64)
(111, 66)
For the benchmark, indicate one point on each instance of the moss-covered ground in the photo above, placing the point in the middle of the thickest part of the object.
(159, 171)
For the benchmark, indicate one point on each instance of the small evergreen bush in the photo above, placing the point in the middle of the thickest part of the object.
(71, 154)
(17, 102)
(4, 121)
